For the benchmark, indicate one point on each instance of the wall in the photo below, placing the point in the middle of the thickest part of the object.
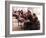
(2, 19)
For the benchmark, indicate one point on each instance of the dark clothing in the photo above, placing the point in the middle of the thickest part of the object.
(32, 25)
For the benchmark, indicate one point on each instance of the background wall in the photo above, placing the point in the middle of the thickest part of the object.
(2, 19)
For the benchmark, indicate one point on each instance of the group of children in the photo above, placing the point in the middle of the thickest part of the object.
(28, 21)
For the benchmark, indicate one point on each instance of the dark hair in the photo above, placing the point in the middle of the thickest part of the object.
(14, 11)
(21, 11)
(34, 14)
(29, 11)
